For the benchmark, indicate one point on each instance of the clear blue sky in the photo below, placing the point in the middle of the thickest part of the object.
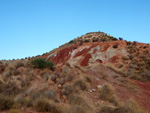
(33, 27)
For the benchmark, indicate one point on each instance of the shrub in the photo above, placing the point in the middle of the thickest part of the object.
(67, 90)
(77, 100)
(27, 102)
(68, 78)
(42, 63)
(43, 105)
(137, 77)
(49, 94)
(5, 102)
(36, 96)
(107, 93)
(129, 107)
(87, 40)
(53, 77)
(146, 75)
(106, 109)
(61, 81)
(115, 46)
(77, 109)
(14, 111)
(81, 85)
(2, 67)
(120, 38)
(19, 64)
(50, 65)
(125, 58)
(10, 89)
(114, 39)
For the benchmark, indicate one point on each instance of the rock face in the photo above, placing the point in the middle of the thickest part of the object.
(88, 54)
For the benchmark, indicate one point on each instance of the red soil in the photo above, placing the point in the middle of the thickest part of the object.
(113, 59)
(83, 52)
(85, 61)
(62, 55)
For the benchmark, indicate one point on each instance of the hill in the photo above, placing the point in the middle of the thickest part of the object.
(94, 73)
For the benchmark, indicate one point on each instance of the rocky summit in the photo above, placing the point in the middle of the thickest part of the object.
(93, 73)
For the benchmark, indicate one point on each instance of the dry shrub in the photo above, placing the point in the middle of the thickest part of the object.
(67, 90)
(68, 78)
(76, 109)
(43, 105)
(26, 102)
(9, 89)
(129, 107)
(105, 109)
(137, 77)
(107, 93)
(19, 64)
(14, 111)
(125, 58)
(49, 94)
(6, 102)
(78, 101)
(80, 84)
(36, 95)
(2, 67)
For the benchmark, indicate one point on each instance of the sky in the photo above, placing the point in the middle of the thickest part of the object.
(33, 27)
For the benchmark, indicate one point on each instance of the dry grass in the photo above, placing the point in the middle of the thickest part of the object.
(26, 102)
(43, 105)
(81, 84)
(77, 109)
(105, 109)
(14, 111)
(107, 93)
(67, 90)
(78, 101)
(6, 102)
(129, 107)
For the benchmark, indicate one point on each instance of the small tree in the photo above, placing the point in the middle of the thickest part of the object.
(42, 63)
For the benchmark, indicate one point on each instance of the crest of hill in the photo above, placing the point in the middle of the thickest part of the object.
(88, 37)
(93, 37)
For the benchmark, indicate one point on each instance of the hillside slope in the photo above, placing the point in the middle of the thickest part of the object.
(94, 73)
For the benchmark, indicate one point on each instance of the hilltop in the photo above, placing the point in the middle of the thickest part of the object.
(93, 73)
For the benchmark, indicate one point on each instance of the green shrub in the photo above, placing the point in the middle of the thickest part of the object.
(5, 102)
(42, 63)
(115, 46)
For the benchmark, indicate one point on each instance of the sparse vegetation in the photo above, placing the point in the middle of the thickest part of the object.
(33, 84)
